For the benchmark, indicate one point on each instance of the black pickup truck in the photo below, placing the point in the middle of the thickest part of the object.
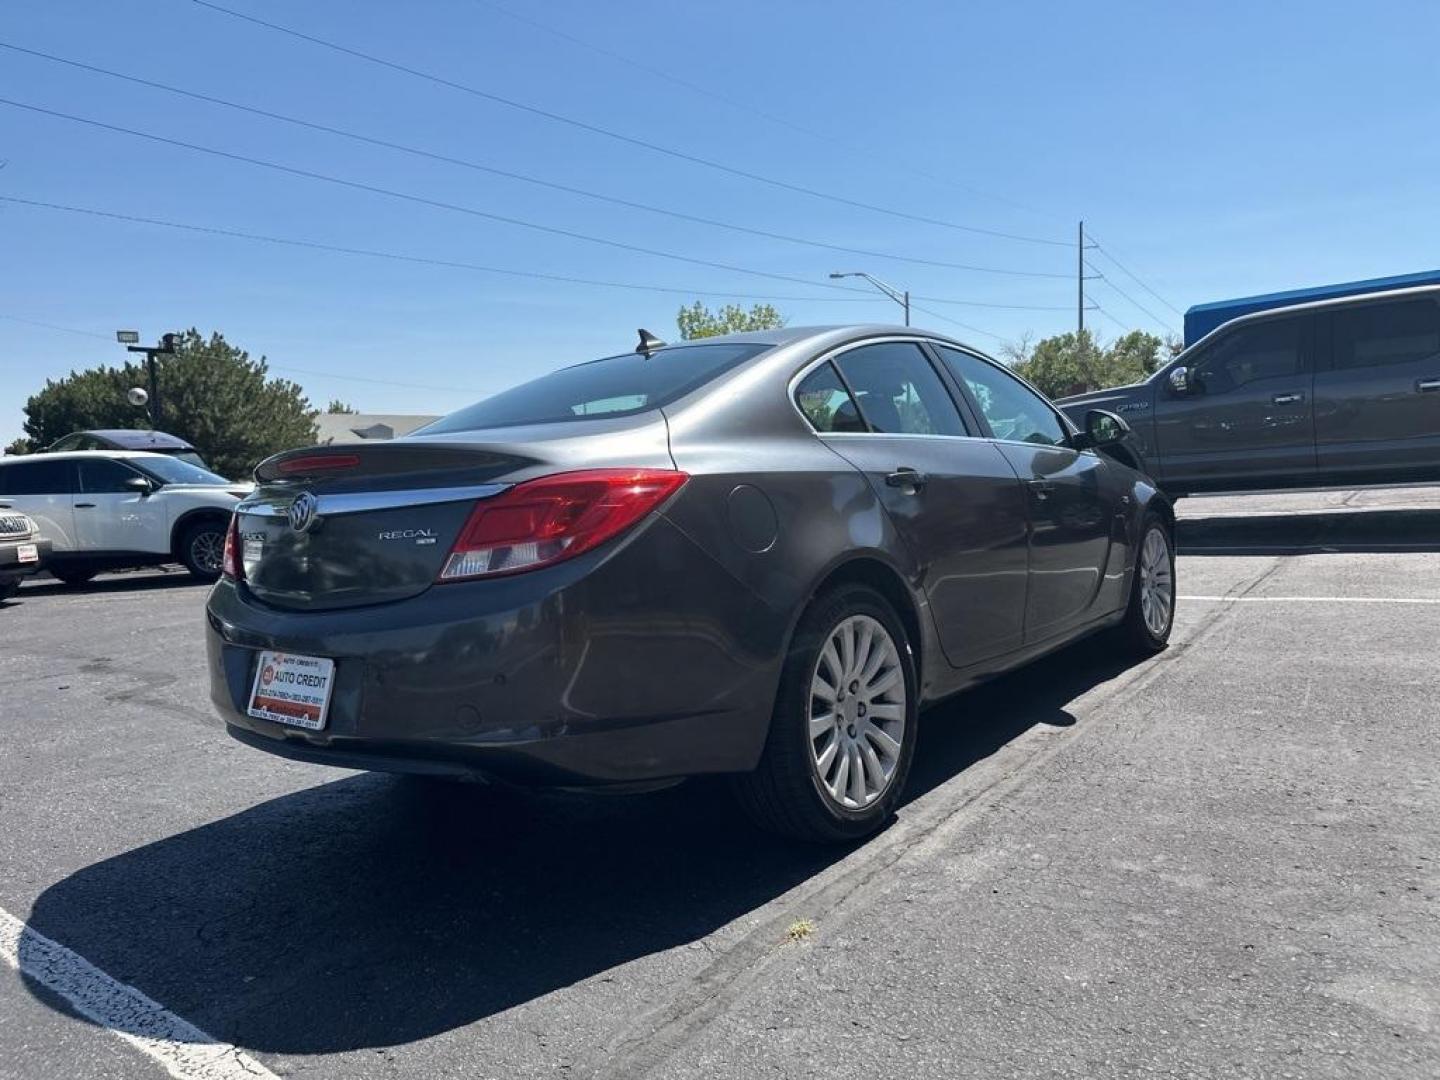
(1338, 391)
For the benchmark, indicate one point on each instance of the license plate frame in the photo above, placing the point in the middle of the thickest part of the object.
(292, 689)
(27, 553)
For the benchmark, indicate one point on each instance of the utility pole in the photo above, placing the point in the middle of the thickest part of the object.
(1080, 277)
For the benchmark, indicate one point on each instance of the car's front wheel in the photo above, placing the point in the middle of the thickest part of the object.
(842, 735)
(202, 548)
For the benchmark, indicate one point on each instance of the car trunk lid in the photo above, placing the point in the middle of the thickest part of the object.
(344, 526)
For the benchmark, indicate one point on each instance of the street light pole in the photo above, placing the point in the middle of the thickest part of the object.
(901, 297)
(166, 347)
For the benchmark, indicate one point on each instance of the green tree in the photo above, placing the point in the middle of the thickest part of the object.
(19, 446)
(338, 406)
(211, 393)
(1075, 363)
(1132, 357)
(698, 321)
(1063, 364)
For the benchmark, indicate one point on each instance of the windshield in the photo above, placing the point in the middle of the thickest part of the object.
(615, 386)
(171, 470)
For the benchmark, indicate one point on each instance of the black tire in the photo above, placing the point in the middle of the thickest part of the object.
(73, 575)
(786, 793)
(1135, 631)
(202, 546)
(8, 589)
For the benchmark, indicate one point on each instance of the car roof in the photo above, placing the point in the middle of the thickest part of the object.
(111, 455)
(789, 335)
(138, 438)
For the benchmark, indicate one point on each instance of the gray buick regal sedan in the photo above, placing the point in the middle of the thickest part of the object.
(758, 555)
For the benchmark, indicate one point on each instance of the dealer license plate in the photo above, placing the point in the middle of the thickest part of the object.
(27, 553)
(291, 689)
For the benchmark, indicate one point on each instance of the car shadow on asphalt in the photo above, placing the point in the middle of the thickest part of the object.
(373, 911)
(1301, 533)
(131, 581)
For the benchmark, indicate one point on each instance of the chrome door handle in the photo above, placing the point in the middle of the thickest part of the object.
(1427, 386)
(1041, 488)
(1287, 399)
(906, 477)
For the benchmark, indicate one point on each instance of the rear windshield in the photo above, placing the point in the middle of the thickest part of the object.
(615, 386)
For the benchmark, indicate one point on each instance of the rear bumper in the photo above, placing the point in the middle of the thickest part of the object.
(631, 664)
(11, 568)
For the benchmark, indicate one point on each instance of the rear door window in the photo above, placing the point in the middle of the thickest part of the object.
(898, 391)
(36, 478)
(1376, 335)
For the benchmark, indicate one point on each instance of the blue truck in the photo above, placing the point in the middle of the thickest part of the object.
(1202, 318)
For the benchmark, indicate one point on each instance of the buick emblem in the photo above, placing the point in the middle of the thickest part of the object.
(302, 511)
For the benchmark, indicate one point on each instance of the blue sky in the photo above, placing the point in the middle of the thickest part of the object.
(1216, 149)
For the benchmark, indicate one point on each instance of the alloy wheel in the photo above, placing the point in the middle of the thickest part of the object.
(1157, 583)
(207, 550)
(857, 712)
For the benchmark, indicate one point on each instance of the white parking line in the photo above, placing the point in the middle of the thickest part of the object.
(1313, 599)
(182, 1049)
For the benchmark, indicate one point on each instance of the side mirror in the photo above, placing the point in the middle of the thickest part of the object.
(1180, 380)
(140, 484)
(1102, 428)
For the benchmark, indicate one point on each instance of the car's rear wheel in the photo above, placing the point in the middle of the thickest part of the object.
(73, 575)
(1151, 614)
(842, 735)
(202, 548)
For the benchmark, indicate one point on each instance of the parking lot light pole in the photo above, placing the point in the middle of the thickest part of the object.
(166, 347)
(901, 297)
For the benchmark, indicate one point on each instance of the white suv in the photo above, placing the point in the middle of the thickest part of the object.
(108, 509)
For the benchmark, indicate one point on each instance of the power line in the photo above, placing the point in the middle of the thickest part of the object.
(987, 304)
(1136, 303)
(452, 264)
(627, 139)
(206, 350)
(421, 199)
(1112, 318)
(650, 71)
(954, 322)
(53, 326)
(1130, 274)
(447, 263)
(522, 177)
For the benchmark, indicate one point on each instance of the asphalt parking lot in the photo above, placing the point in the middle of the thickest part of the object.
(1221, 862)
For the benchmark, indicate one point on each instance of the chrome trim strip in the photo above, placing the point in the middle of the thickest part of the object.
(365, 501)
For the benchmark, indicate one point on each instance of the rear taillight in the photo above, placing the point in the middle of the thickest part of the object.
(556, 517)
(230, 562)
